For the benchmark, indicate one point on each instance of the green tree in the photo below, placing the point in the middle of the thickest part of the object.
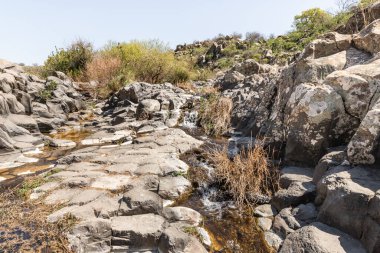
(311, 23)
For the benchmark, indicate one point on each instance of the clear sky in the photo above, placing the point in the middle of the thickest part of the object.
(31, 29)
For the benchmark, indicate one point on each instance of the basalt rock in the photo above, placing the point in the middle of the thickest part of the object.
(33, 104)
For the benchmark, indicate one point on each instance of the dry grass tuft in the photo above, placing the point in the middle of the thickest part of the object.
(187, 86)
(215, 115)
(208, 90)
(24, 227)
(248, 174)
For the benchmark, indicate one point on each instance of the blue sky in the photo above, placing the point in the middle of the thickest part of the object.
(31, 29)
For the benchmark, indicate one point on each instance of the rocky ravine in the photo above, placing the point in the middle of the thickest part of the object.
(120, 184)
(130, 185)
(322, 112)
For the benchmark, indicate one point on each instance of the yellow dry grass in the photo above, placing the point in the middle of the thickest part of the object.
(24, 227)
(249, 173)
(215, 115)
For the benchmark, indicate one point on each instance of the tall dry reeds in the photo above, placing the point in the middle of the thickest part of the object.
(248, 174)
(215, 115)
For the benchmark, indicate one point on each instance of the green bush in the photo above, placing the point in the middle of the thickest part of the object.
(71, 60)
(306, 27)
(46, 94)
(366, 3)
(149, 61)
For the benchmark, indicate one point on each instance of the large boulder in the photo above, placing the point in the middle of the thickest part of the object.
(364, 145)
(92, 235)
(320, 238)
(147, 107)
(347, 201)
(316, 118)
(137, 232)
(327, 44)
(13, 105)
(176, 240)
(368, 38)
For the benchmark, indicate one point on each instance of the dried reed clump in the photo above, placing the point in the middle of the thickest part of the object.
(248, 174)
(187, 86)
(24, 227)
(215, 115)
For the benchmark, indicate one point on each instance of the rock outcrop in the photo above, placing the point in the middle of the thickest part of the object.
(29, 106)
(322, 113)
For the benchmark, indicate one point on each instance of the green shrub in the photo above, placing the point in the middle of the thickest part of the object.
(46, 94)
(179, 74)
(366, 3)
(306, 27)
(71, 60)
(149, 61)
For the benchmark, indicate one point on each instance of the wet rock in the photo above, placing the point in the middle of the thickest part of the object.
(264, 223)
(173, 187)
(266, 210)
(182, 214)
(320, 238)
(273, 240)
(175, 240)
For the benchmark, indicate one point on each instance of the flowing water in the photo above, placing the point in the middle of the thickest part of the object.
(230, 229)
(41, 159)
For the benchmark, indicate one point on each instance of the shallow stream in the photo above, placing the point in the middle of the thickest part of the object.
(229, 229)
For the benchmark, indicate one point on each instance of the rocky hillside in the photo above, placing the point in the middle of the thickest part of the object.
(322, 111)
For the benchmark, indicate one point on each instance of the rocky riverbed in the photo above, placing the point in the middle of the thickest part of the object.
(116, 169)
(135, 181)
